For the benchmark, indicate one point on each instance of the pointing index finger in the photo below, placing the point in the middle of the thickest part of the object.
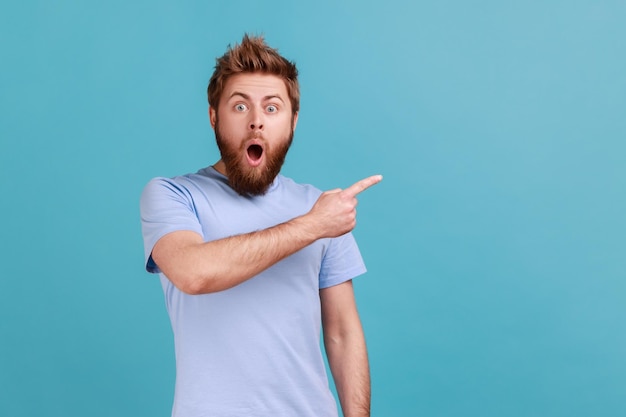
(362, 185)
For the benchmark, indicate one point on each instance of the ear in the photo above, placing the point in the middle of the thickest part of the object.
(295, 121)
(212, 116)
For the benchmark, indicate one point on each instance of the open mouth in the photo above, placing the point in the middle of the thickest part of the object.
(255, 152)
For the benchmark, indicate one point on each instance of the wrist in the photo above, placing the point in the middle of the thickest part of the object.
(306, 228)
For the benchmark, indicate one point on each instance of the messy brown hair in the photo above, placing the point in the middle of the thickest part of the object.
(253, 55)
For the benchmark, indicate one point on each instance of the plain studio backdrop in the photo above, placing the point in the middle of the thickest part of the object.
(495, 244)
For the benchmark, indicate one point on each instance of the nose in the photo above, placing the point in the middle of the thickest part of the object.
(256, 120)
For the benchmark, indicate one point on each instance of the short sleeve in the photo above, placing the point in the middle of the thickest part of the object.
(165, 206)
(341, 262)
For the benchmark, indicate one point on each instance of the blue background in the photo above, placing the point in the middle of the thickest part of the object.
(495, 244)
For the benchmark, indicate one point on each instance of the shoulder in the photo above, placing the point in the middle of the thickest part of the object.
(288, 185)
(186, 184)
(162, 186)
(163, 191)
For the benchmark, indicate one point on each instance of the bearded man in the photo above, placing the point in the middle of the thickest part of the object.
(254, 265)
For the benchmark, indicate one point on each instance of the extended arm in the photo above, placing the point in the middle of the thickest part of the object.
(346, 350)
(198, 267)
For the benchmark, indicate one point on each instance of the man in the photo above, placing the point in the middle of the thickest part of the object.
(252, 263)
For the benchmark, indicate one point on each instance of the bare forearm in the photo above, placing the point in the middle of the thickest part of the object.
(347, 357)
(345, 348)
(198, 267)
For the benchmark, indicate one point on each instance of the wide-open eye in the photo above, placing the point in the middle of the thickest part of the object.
(271, 108)
(241, 107)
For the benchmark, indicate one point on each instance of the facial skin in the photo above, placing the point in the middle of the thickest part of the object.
(254, 126)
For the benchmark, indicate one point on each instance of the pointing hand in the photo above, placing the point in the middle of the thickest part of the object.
(334, 212)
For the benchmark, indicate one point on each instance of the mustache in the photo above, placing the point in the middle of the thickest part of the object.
(256, 135)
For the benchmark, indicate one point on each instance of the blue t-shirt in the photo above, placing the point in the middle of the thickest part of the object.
(254, 349)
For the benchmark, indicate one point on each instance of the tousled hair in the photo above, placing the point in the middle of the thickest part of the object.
(253, 55)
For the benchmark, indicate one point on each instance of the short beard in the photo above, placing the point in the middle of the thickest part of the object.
(251, 181)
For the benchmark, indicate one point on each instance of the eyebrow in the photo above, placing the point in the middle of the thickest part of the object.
(247, 97)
